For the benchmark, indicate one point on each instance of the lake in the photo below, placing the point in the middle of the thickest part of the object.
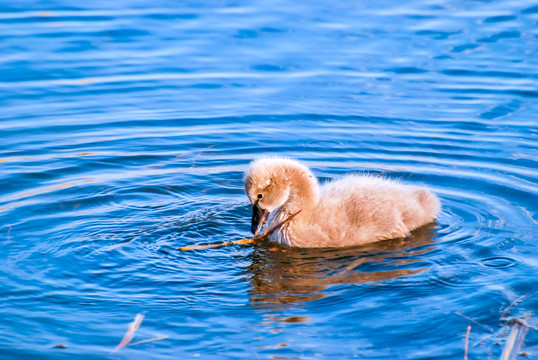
(127, 126)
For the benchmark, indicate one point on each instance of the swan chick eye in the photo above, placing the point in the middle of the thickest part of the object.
(260, 196)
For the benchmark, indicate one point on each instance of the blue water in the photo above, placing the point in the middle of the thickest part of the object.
(126, 127)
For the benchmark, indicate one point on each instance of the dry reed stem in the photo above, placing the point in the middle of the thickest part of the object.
(467, 342)
(130, 332)
(242, 241)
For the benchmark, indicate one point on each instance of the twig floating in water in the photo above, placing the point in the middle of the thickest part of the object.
(467, 342)
(241, 241)
(515, 339)
(209, 246)
(130, 332)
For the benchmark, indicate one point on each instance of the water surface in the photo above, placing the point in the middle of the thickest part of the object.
(126, 128)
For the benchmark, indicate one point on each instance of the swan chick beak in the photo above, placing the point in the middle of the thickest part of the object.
(259, 216)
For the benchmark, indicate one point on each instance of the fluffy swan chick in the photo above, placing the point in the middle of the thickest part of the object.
(354, 210)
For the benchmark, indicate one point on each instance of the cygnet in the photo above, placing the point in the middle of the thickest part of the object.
(353, 210)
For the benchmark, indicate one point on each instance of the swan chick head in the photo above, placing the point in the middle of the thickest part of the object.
(267, 187)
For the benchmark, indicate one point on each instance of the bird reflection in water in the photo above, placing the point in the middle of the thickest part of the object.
(287, 275)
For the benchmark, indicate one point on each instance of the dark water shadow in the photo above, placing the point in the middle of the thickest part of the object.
(284, 275)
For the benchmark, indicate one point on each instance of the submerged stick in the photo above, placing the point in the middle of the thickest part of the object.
(158, 338)
(474, 321)
(130, 332)
(516, 302)
(242, 241)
